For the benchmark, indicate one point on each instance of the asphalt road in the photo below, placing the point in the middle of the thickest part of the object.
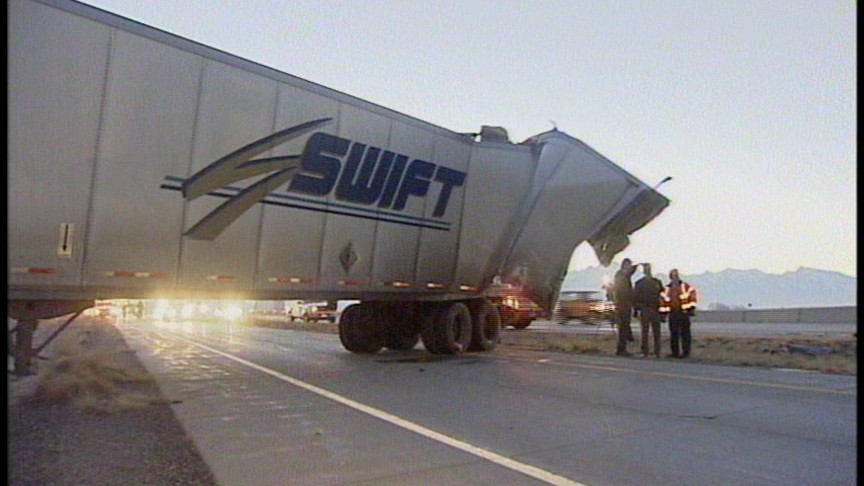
(268, 406)
(727, 328)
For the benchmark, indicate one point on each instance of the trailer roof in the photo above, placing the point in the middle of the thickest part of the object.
(153, 33)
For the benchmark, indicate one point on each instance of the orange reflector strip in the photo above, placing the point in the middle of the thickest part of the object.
(220, 277)
(349, 282)
(434, 285)
(34, 270)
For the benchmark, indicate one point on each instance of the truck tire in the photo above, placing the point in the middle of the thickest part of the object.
(402, 339)
(486, 329)
(358, 332)
(398, 320)
(447, 328)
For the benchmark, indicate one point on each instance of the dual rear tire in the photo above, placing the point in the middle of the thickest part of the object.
(446, 328)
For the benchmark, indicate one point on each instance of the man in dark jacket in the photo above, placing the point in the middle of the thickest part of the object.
(646, 299)
(622, 291)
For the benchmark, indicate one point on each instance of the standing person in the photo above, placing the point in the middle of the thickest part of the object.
(679, 302)
(622, 291)
(646, 298)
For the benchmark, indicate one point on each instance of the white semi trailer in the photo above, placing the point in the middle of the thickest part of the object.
(144, 165)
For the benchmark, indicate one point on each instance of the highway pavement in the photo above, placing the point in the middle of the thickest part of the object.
(705, 328)
(275, 406)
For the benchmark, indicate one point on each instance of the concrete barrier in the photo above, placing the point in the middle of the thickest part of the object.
(822, 315)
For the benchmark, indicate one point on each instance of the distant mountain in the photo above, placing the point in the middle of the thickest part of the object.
(805, 287)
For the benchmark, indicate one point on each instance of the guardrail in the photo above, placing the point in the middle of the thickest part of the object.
(824, 315)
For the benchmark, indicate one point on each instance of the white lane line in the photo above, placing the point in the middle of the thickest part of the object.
(517, 466)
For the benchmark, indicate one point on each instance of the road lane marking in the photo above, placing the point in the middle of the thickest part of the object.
(521, 467)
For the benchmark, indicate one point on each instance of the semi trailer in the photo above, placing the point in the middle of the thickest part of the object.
(143, 165)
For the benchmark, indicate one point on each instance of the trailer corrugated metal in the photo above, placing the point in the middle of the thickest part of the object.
(145, 165)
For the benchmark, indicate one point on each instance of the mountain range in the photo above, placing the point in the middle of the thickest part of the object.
(805, 287)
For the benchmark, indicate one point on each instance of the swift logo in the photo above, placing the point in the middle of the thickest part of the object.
(353, 172)
(370, 175)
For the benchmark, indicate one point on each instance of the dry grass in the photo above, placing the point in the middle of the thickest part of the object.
(93, 368)
(827, 355)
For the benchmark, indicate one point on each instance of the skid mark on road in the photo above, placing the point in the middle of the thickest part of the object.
(526, 469)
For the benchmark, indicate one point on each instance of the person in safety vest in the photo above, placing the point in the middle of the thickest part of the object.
(679, 303)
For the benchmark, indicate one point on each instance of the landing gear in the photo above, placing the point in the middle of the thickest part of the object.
(27, 313)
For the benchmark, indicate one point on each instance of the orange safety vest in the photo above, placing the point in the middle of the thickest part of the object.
(686, 298)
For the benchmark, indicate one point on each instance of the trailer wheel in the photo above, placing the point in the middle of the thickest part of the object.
(447, 328)
(358, 332)
(486, 331)
(399, 319)
(402, 340)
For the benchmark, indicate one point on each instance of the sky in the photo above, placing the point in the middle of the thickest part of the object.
(750, 106)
